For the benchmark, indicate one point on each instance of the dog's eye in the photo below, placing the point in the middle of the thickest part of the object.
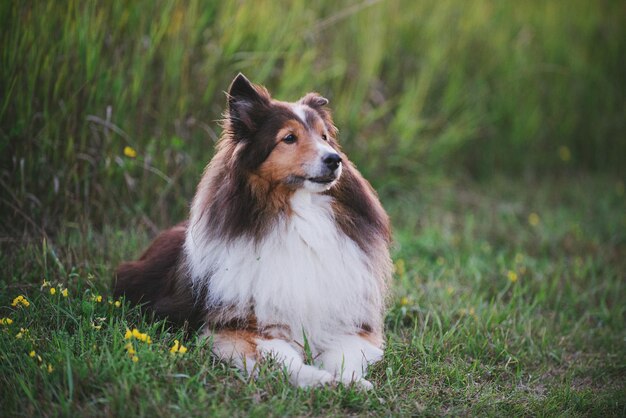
(324, 137)
(290, 139)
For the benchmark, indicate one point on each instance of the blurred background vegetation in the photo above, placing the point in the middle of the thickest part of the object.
(421, 91)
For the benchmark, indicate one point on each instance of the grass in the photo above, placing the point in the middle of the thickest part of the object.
(507, 300)
(509, 294)
(417, 87)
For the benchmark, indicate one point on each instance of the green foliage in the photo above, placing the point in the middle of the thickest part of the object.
(419, 89)
(494, 312)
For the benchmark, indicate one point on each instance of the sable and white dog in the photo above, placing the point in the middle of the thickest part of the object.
(286, 242)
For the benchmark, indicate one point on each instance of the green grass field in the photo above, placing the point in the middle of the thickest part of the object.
(508, 299)
(494, 131)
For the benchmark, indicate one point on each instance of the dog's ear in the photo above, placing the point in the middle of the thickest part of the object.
(314, 100)
(320, 105)
(247, 103)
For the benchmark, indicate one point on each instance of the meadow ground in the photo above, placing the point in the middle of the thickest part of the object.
(509, 295)
(508, 299)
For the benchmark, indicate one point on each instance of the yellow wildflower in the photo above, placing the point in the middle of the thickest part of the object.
(96, 298)
(52, 290)
(564, 153)
(50, 368)
(400, 267)
(64, 293)
(533, 219)
(6, 321)
(141, 336)
(118, 303)
(178, 348)
(22, 332)
(128, 334)
(20, 300)
(404, 301)
(512, 276)
(32, 354)
(45, 283)
(130, 349)
(94, 326)
(130, 152)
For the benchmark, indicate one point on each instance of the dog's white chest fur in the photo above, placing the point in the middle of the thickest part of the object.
(306, 273)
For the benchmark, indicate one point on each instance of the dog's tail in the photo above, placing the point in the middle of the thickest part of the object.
(158, 283)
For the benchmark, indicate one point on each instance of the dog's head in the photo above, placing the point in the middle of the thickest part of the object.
(290, 144)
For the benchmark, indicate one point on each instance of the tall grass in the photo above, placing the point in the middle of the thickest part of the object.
(418, 89)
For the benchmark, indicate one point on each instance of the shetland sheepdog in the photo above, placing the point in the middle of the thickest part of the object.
(286, 246)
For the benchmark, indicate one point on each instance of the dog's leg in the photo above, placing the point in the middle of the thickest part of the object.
(348, 361)
(244, 349)
(300, 374)
(237, 347)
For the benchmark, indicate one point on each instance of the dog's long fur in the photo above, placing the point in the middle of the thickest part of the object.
(286, 241)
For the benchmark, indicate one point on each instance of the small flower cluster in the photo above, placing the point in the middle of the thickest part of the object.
(130, 348)
(513, 275)
(6, 321)
(53, 290)
(178, 348)
(116, 303)
(20, 301)
(23, 332)
(96, 298)
(141, 336)
(33, 354)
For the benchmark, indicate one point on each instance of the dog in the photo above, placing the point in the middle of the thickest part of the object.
(286, 250)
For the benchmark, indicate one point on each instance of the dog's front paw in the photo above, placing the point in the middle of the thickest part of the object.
(310, 376)
(363, 384)
(358, 383)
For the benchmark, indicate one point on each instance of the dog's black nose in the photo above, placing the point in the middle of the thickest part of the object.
(332, 161)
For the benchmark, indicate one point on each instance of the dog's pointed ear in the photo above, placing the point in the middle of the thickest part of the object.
(246, 104)
(242, 90)
(320, 105)
(314, 100)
